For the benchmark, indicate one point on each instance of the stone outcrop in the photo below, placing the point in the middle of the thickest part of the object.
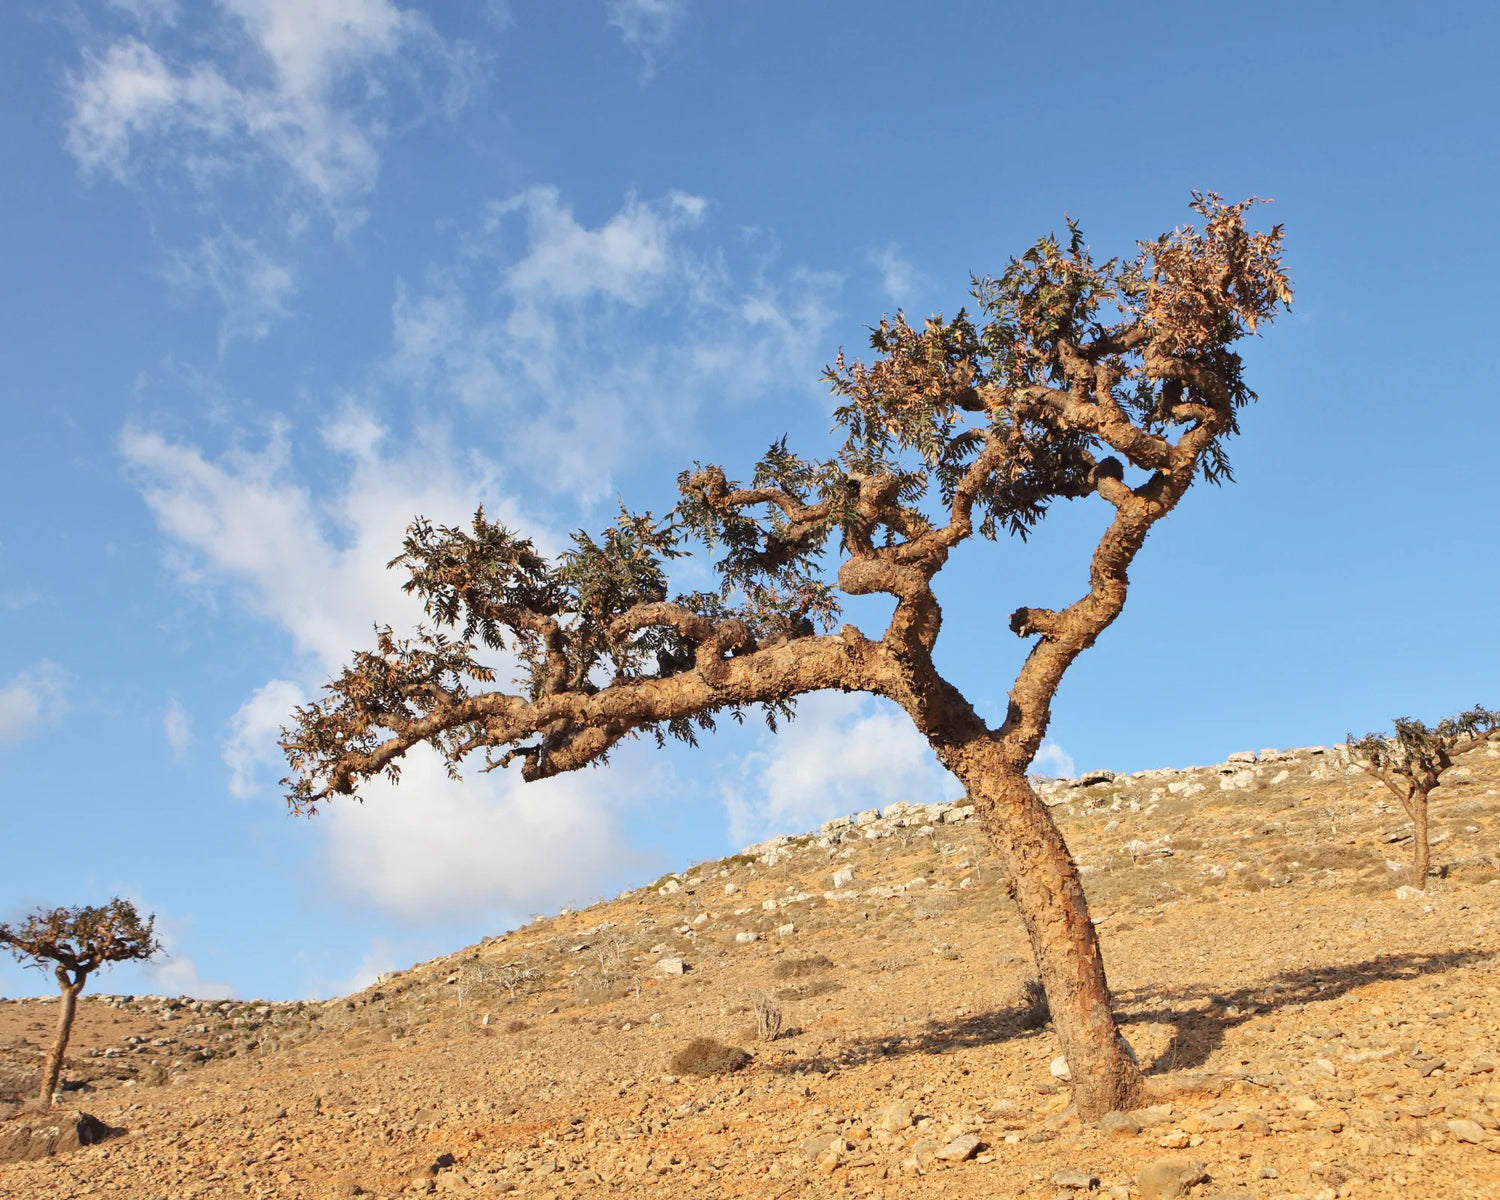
(44, 1135)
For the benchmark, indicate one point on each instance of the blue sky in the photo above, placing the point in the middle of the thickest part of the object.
(281, 274)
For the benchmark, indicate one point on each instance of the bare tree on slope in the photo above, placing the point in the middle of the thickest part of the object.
(1411, 761)
(1115, 379)
(76, 942)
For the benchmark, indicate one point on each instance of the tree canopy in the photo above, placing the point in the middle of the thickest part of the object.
(1073, 377)
(81, 940)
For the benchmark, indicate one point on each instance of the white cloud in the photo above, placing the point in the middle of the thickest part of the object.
(251, 286)
(625, 259)
(898, 277)
(317, 570)
(380, 958)
(601, 339)
(1054, 762)
(19, 598)
(552, 329)
(645, 23)
(300, 86)
(314, 566)
(31, 699)
(148, 12)
(841, 755)
(293, 97)
(428, 847)
(176, 974)
(254, 733)
(178, 727)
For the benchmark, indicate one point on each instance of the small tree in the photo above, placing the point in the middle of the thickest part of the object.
(1114, 380)
(1411, 762)
(76, 942)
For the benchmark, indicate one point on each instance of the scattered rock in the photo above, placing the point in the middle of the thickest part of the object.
(441, 1163)
(960, 1148)
(1119, 1124)
(670, 966)
(893, 1118)
(1424, 1064)
(1059, 1068)
(1078, 1180)
(1170, 1178)
(816, 1147)
(1468, 1131)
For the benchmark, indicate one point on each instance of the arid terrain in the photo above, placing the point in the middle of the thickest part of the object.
(1313, 1027)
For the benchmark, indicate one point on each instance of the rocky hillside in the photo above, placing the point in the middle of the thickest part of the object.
(853, 1012)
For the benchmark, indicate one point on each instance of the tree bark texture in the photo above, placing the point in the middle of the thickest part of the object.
(1043, 880)
(1421, 850)
(52, 1069)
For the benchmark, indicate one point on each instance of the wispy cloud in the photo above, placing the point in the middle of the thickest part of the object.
(316, 569)
(586, 342)
(149, 12)
(254, 734)
(601, 340)
(177, 725)
(252, 287)
(842, 754)
(1052, 760)
(294, 84)
(295, 97)
(315, 566)
(174, 972)
(31, 700)
(898, 278)
(645, 25)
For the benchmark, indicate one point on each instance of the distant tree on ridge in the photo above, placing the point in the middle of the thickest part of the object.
(1411, 762)
(75, 942)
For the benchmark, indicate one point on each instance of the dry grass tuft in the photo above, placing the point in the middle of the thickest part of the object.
(807, 991)
(798, 968)
(1033, 1005)
(705, 1056)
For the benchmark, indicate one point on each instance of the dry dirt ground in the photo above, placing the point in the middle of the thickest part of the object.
(1312, 1027)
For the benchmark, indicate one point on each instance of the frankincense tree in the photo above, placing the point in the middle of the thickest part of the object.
(75, 942)
(1078, 378)
(1411, 761)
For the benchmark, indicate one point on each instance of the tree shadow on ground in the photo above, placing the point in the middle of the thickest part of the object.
(1200, 1016)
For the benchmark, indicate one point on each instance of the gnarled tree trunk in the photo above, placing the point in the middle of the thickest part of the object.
(1044, 882)
(1421, 849)
(52, 1069)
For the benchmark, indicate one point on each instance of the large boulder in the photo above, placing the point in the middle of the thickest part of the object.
(42, 1135)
